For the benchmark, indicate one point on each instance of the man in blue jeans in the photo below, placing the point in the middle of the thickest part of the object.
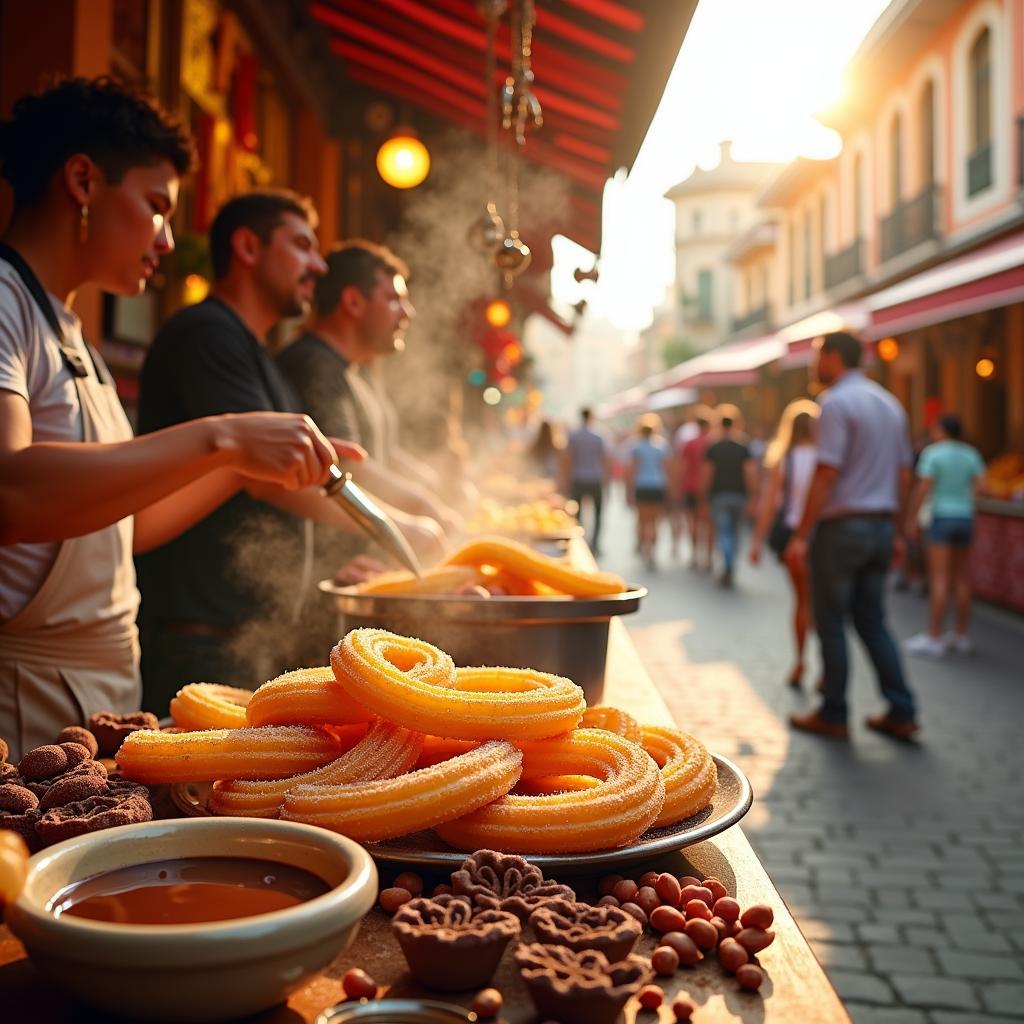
(728, 483)
(856, 500)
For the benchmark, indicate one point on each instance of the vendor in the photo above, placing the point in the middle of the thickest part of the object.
(229, 600)
(95, 169)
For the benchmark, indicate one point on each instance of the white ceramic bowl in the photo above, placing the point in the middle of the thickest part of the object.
(206, 972)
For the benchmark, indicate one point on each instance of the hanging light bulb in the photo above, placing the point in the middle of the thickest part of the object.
(403, 161)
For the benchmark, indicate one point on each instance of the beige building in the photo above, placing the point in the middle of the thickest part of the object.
(713, 209)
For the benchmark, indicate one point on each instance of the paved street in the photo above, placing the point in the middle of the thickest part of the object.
(903, 864)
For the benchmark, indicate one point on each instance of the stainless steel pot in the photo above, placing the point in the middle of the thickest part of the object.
(564, 635)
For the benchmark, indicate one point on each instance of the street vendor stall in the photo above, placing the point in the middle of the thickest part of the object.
(794, 987)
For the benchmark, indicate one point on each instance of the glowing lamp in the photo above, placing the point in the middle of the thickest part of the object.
(492, 396)
(888, 349)
(508, 385)
(403, 161)
(196, 289)
(985, 368)
(512, 354)
(498, 313)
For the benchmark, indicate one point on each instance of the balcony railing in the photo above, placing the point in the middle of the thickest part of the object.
(844, 265)
(910, 223)
(979, 170)
(761, 315)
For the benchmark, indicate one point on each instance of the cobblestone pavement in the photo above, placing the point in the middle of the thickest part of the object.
(904, 864)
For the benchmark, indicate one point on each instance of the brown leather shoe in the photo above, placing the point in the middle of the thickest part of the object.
(813, 722)
(898, 728)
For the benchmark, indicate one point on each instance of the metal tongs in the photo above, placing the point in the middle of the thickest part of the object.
(371, 518)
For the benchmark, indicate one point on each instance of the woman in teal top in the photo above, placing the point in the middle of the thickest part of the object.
(947, 474)
(646, 482)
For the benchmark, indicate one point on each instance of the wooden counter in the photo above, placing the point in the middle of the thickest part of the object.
(796, 989)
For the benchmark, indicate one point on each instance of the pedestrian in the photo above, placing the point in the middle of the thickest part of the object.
(95, 167)
(544, 456)
(789, 461)
(646, 483)
(856, 508)
(586, 470)
(689, 465)
(946, 476)
(223, 601)
(729, 486)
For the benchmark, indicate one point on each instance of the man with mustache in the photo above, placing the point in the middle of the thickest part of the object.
(222, 602)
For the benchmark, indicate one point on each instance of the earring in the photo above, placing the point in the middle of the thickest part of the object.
(83, 224)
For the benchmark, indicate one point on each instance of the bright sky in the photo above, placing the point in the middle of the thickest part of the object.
(752, 71)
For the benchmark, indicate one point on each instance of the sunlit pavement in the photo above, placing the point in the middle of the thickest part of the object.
(904, 864)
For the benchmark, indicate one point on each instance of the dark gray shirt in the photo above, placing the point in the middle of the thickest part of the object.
(863, 434)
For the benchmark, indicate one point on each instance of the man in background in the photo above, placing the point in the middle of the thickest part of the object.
(729, 487)
(587, 469)
(855, 507)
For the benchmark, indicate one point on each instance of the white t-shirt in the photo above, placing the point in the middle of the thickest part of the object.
(799, 465)
(31, 365)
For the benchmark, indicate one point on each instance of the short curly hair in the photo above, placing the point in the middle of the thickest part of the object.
(117, 125)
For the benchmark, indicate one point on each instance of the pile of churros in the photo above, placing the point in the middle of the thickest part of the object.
(393, 739)
(496, 566)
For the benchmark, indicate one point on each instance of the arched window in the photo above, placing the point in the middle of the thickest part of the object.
(979, 91)
(927, 122)
(896, 158)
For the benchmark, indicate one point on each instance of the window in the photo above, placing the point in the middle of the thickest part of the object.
(695, 222)
(979, 85)
(705, 287)
(927, 121)
(896, 159)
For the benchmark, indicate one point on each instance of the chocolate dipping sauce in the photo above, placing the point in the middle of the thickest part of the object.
(196, 890)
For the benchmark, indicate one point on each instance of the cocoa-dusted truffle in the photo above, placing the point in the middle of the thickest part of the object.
(16, 799)
(43, 763)
(448, 944)
(71, 788)
(78, 734)
(110, 729)
(579, 988)
(580, 926)
(77, 753)
(500, 881)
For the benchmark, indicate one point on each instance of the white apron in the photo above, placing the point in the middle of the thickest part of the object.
(74, 649)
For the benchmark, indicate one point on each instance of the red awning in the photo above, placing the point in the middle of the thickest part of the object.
(799, 336)
(600, 68)
(988, 278)
(734, 365)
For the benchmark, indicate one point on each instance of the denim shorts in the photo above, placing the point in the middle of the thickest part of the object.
(955, 531)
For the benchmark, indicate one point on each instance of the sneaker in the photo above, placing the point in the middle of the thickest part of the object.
(960, 642)
(927, 645)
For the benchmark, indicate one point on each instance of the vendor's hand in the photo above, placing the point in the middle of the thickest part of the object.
(795, 555)
(285, 449)
(754, 554)
(347, 451)
(359, 570)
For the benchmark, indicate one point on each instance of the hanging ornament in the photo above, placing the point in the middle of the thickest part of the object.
(512, 257)
(487, 232)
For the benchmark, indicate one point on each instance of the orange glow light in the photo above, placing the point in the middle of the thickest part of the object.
(196, 289)
(403, 161)
(508, 384)
(985, 368)
(888, 349)
(498, 313)
(512, 353)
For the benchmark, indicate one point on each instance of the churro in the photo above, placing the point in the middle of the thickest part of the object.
(210, 706)
(268, 753)
(485, 703)
(687, 769)
(604, 716)
(626, 801)
(529, 564)
(307, 696)
(445, 579)
(387, 751)
(369, 811)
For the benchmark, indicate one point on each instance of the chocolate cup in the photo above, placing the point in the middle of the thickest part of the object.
(576, 1007)
(451, 966)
